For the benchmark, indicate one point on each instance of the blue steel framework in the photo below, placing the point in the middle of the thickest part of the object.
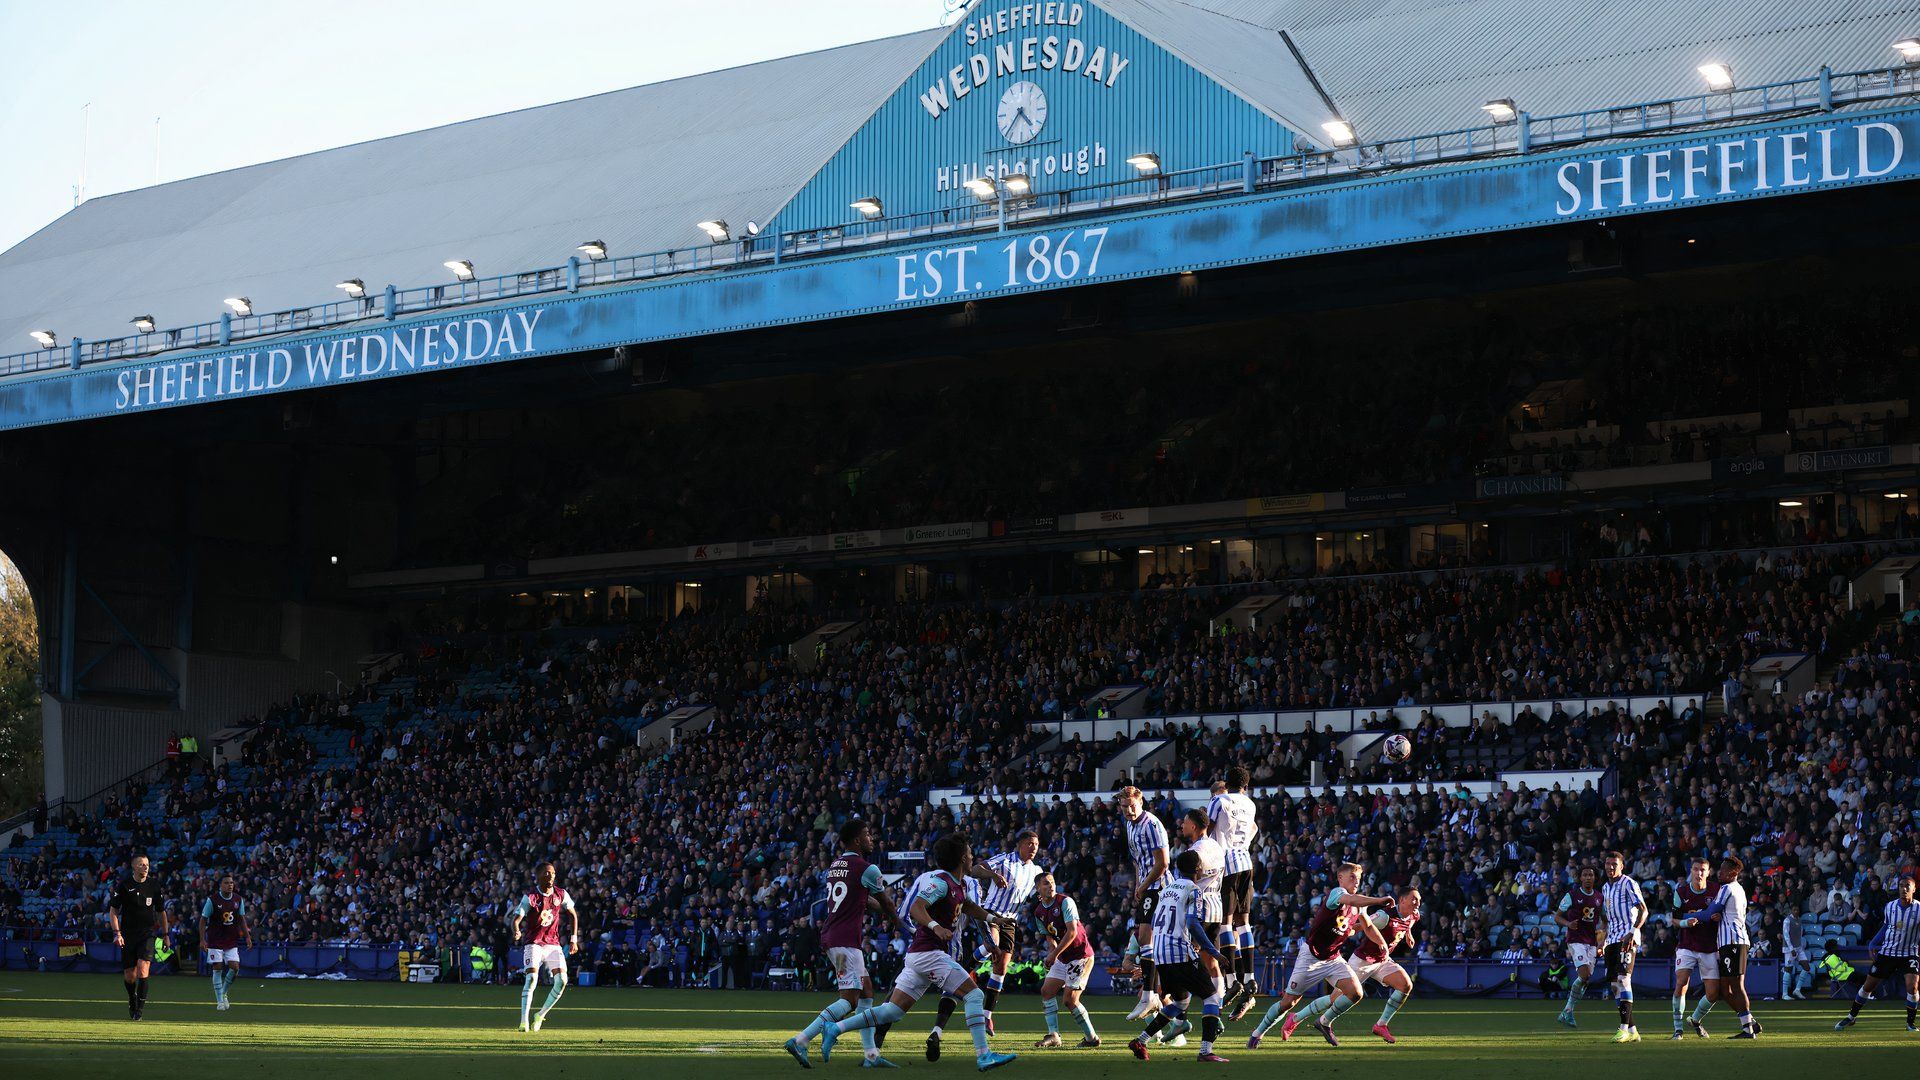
(1522, 137)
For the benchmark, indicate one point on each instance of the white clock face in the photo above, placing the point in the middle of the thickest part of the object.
(1023, 112)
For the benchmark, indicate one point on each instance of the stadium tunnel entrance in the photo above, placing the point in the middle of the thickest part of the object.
(193, 566)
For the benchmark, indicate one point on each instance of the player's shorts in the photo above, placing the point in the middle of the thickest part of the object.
(1209, 908)
(1072, 973)
(224, 956)
(1733, 961)
(1582, 955)
(928, 969)
(1236, 894)
(1143, 911)
(1620, 959)
(849, 967)
(137, 948)
(1378, 971)
(551, 957)
(1004, 932)
(1187, 977)
(1704, 964)
(1310, 971)
(1895, 967)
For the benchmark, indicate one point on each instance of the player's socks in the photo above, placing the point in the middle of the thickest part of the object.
(1051, 1007)
(1230, 961)
(527, 988)
(133, 994)
(1146, 977)
(232, 975)
(832, 1014)
(142, 986)
(1318, 1005)
(1913, 1008)
(1167, 1015)
(219, 985)
(1625, 1001)
(1210, 1018)
(1394, 1001)
(869, 1037)
(553, 995)
(1679, 1010)
(976, 1005)
(991, 991)
(870, 1018)
(947, 1004)
(1859, 1002)
(1701, 1010)
(1274, 1012)
(1746, 1021)
(1339, 1008)
(1085, 1020)
(1574, 987)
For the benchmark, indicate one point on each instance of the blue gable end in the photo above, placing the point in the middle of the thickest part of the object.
(1063, 92)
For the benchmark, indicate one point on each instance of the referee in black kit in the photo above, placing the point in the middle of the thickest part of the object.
(137, 914)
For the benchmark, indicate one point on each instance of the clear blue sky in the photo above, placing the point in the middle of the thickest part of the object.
(237, 84)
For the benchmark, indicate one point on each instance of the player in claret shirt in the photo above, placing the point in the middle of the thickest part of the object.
(854, 886)
(547, 904)
(1373, 960)
(1069, 961)
(223, 923)
(1698, 951)
(1580, 914)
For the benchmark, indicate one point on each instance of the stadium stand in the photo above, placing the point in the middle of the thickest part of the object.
(424, 794)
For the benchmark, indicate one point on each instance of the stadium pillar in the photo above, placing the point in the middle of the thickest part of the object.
(226, 328)
(392, 302)
(1246, 180)
(73, 357)
(69, 609)
(573, 273)
(1523, 129)
(1826, 88)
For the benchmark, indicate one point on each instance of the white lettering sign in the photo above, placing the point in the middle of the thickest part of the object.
(1040, 259)
(1765, 162)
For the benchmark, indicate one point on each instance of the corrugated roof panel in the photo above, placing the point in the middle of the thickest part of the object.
(636, 168)
(1249, 59)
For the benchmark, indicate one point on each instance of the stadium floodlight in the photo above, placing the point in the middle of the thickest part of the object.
(1719, 76)
(1146, 551)
(1897, 495)
(462, 269)
(1146, 163)
(1017, 183)
(869, 206)
(353, 287)
(44, 337)
(1909, 49)
(1501, 109)
(240, 305)
(1339, 132)
(983, 188)
(143, 323)
(717, 230)
(1791, 503)
(594, 249)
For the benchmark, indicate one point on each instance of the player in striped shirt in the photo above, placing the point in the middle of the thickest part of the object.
(1179, 939)
(1014, 873)
(1626, 912)
(1729, 910)
(1232, 816)
(1146, 840)
(1894, 953)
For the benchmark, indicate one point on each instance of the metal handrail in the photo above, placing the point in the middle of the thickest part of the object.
(1523, 134)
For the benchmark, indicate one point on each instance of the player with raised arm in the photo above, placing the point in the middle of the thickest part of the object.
(937, 898)
(1729, 910)
(1012, 878)
(1337, 917)
(137, 915)
(1179, 940)
(1579, 912)
(1146, 840)
(854, 886)
(548, 905)
(223, 924)
(1069, 962)
(1698, 951)
(1373, 959)
(1233, 824)
(1626, 912)
(1894, 953)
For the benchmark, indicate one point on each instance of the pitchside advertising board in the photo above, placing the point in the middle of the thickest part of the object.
(1805, 155)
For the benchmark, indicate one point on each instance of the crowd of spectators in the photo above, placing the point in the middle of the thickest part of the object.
(413, 810)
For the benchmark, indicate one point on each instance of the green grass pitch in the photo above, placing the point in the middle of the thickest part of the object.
(76, 1026)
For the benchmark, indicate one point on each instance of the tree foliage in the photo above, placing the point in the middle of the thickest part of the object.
(20, 748)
